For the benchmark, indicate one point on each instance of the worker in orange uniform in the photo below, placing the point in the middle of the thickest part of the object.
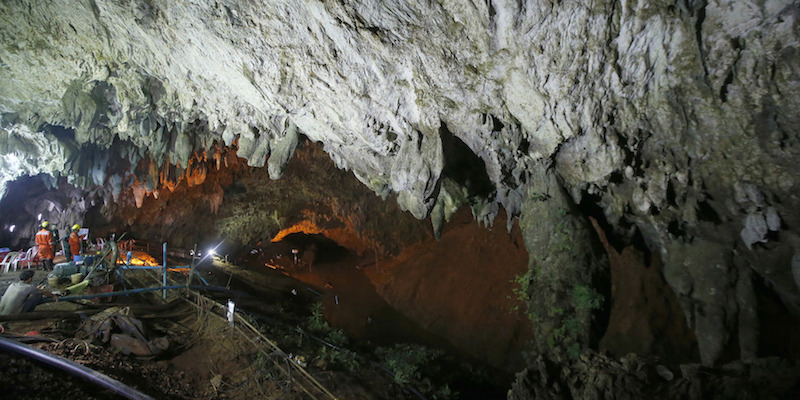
(44, 239)
(75, 241)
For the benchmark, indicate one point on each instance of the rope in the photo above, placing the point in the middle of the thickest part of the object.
(303, 373)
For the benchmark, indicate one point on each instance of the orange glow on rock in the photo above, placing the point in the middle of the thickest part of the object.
(307, 227)
(346, 236)
(168, 175)
(140, 258)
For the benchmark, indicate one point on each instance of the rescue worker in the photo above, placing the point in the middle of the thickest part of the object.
(44, 239)
(22, 296)
(75, 241)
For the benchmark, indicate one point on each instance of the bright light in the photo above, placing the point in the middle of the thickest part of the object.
(11, 228)
(39, 217)
(212, 251)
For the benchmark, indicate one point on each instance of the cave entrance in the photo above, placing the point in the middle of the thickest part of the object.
(305, 250)
(349, 298)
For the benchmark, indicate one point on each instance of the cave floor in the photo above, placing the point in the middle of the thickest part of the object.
(350, 304)
(206, 359)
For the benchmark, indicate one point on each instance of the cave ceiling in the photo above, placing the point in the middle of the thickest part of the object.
(674, 120)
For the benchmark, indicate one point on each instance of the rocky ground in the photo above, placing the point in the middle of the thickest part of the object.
(206, 359)
(600, 376)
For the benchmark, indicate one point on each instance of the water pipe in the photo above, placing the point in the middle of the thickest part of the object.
(74, 368)
(133, 291)
(121, 279)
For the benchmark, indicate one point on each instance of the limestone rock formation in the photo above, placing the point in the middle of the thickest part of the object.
(678, 120)
(597, 376)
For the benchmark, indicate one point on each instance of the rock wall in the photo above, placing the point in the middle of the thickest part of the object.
(679, 120)
(457, 288)
(597, 376)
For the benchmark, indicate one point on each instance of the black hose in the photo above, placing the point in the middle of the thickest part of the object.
(140, 290)
(74, 368)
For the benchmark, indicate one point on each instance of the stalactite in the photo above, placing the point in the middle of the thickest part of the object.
(196, 175)
(138, 193)
(215, 199)
(217, 158)
(169, 177)
(153, 175)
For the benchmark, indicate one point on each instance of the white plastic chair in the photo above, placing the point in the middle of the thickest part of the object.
(26, 257)
(8, 261)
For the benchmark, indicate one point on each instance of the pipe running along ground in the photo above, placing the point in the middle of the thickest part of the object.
(73, 368)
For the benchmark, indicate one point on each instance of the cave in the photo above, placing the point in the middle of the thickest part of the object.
(478, 200)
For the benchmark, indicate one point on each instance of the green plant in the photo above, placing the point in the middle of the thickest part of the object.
(316, 321)
(294, 339)
(522, 287)
(443, 392)
(336, 337)
(572, 325)
(561, 234)
(249, 223)
(405, 360)
(567, 335)
(586, 298)
(340, 356)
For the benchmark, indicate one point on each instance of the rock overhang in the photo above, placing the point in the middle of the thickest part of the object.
(671, 116)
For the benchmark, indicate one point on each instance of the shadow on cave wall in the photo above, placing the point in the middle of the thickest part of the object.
(463, 166)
